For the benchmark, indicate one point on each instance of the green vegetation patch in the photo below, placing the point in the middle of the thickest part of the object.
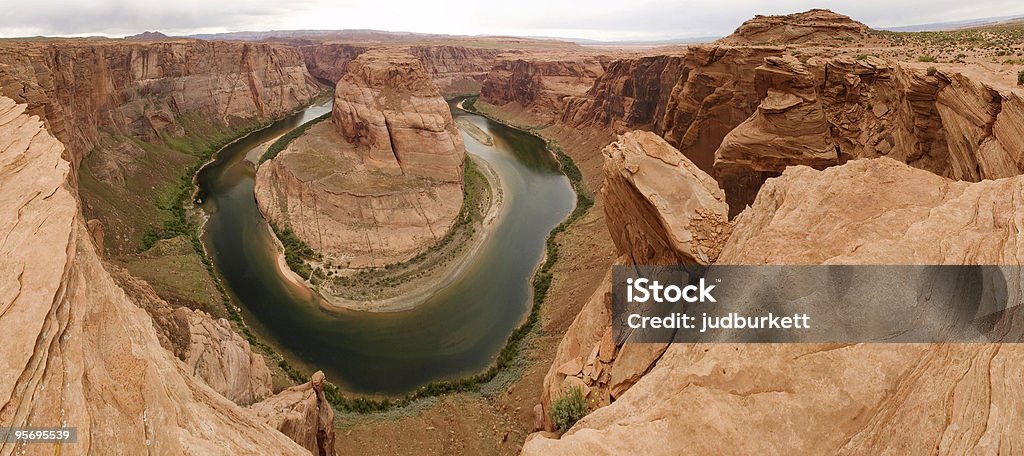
(469, 104)
(178, 275)
(568, 408)
(296, 252)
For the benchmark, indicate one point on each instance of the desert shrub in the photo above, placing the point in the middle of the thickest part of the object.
(470, 104)
(927, 58)
(931, 71)
(568, 409)
(1020, 77)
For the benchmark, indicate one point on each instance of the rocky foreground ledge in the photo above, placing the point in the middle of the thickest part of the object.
(79, 350)
(792, 398)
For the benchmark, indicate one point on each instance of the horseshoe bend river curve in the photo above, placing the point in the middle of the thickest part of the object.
(456, 332)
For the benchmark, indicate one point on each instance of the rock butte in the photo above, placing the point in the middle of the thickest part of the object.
(382, 181)
(816, 26)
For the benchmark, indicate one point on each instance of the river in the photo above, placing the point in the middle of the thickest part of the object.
(456, 332)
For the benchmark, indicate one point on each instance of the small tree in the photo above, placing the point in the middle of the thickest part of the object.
(568, 409)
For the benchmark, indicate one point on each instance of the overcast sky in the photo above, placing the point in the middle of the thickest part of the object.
(591, 19)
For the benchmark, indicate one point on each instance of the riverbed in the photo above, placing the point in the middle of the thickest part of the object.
(456, 331)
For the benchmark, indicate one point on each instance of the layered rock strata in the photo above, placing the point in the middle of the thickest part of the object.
(693, 100)
(328, 61)
(716, 93)
(134, 115)
(816, 26)
(83, 89)
(78, 351)
(541, 85)
(455, 70)
(828, 111)
(382, 181)
(632, 93)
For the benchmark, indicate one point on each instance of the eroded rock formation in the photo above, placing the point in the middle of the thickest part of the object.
(456, 70)
(379, 183)
(303, 414)
(328, 61)
(392, 113)
(106, 99)
(659, 207)
(816, 26)
(952, 123)
(632, 93)
(78, 350)
(212, 350)
(83, 88)
(837, 399)
(717, 94)
(541, 85)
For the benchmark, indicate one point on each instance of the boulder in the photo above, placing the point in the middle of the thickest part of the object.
(303, 414)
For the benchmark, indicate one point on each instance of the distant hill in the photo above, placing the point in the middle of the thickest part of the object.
(955, 25)
(147, 36)
(351, 35)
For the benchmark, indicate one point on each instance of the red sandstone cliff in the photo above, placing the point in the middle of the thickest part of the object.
(541, 85)
(836, 399)
(950, 122)
(78, 349)
(83, 88)
(455, 70)
(631, 93)
(303, 414)
(134, 115)
(761, 111)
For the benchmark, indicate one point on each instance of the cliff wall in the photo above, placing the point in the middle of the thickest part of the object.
(78, 349)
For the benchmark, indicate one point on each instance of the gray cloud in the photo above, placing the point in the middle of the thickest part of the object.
(641, 19)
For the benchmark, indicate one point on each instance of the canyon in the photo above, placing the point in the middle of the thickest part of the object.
(95, 129)
(126, 97)
(798, 139)
(824, 157)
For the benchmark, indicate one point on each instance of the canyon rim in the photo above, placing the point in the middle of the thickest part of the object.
(389, 242)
